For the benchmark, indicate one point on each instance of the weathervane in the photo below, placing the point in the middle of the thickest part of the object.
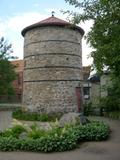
(52, 13)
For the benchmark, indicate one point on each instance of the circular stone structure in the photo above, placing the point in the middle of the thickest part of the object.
(52, 66)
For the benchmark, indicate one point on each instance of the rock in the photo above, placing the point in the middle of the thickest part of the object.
(23, 135)
(69, 118)
(44, 125)
(72, 118)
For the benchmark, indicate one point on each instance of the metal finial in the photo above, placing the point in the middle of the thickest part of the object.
(52, 13)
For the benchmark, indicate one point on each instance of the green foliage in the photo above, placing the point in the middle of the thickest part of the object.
(55, 139)
(88, 110)
(9, 144)
(21, 115)
(107, 104)
(96, 131)
(7, 73)
(36, 132)
(29, 116)
(113, 115)
(14, 131)
(112, 101)
(104, 36)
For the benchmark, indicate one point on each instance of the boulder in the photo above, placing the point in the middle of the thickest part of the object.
(23, 135)
(69, 118)
(73, 118)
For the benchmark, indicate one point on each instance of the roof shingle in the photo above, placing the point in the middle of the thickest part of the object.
(52, 21)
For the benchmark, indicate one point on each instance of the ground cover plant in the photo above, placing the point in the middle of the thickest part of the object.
(35, 139)
(28, 116)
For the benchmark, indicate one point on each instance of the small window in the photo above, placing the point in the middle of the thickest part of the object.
(86, 92)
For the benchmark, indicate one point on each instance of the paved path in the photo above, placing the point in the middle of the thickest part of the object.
(106, 150)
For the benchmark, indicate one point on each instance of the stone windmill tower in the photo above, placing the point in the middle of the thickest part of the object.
(52, 70)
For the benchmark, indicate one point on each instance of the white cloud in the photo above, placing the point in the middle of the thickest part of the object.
(11, 28)
(18, 22)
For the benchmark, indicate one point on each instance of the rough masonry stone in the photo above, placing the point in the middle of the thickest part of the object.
(52, 71)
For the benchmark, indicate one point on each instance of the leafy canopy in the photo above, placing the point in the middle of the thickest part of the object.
(104, 36)
(7, 73)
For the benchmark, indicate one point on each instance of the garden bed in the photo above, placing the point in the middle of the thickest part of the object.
(33, 138)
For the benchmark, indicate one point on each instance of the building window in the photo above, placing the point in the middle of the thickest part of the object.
(86, 92)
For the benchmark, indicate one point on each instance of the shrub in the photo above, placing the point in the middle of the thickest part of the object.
(114, 115)
(36, 132)
(9, 144)
(55, 139)
(14, 131)
(88, 110)
(96, 131)
(27, 116)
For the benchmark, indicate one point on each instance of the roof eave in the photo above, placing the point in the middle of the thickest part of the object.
(52, 24)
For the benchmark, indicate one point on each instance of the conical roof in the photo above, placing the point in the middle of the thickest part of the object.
(52, 21)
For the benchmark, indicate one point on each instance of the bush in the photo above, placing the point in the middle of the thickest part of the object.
(14, 131)
(110, 104)
(55, 139)
(28, 116)
(96, 131)
(36, 132)
(113, 115)
(88, 110)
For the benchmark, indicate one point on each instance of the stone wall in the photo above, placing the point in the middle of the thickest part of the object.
(52, 96)
(52, 69)
(95, 94)
(5, 119)
(53, 60)
(52, 33)
(36, 74)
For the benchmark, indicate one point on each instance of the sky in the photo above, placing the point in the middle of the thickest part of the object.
(17, 14)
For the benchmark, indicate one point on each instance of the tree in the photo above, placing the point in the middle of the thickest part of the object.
(7, 70)
(104, 36)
